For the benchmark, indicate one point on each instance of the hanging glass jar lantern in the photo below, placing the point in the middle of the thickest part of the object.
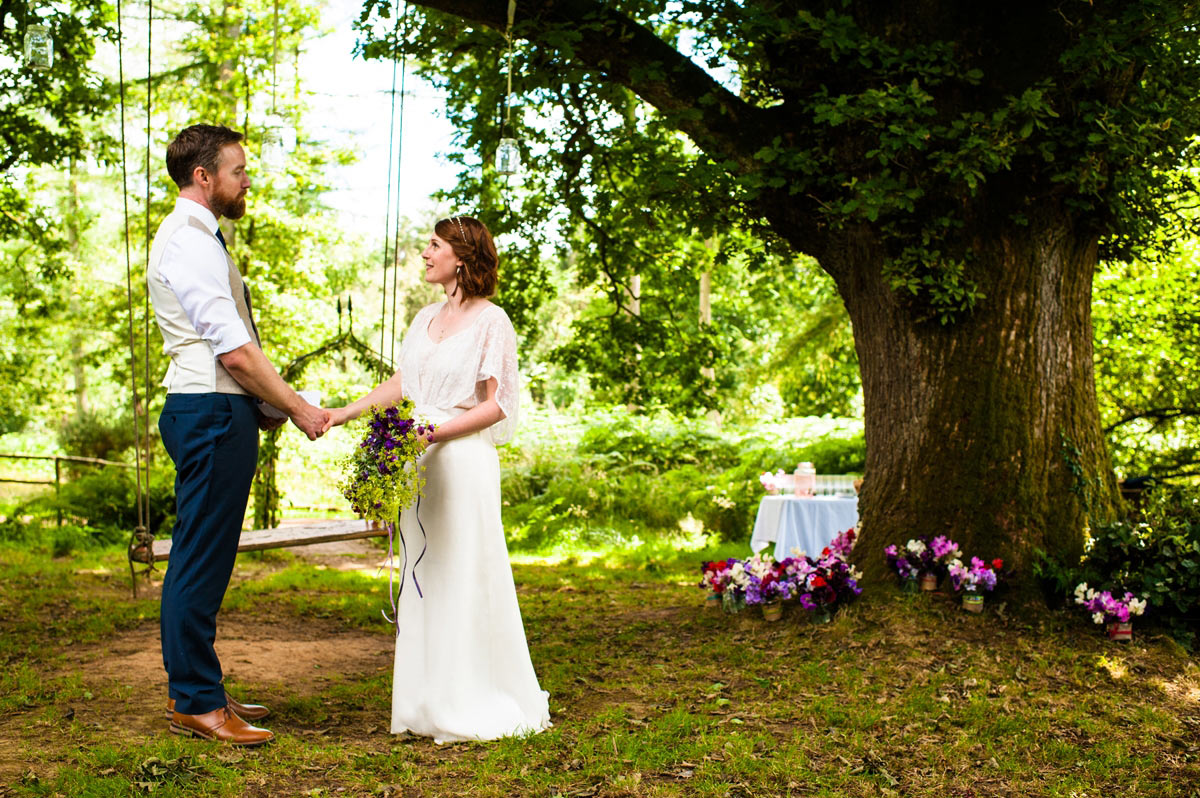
(39, 47)
(508, 157)
(278, 142)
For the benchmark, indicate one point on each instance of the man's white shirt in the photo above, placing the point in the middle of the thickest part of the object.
(193, 266)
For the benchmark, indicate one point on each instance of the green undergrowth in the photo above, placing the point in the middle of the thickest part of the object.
(650, 693)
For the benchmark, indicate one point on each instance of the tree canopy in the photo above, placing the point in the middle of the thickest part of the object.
(958, 169)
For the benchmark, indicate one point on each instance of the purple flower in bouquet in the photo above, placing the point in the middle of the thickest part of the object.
(825, 583)
(843, 544)
(766, 580)
(924, 554)
(898, 562)
(944, 549)
(1107, 608)
(381, 476)
(980, 576)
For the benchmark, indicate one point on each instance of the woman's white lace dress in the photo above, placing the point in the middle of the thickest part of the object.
(462, 663)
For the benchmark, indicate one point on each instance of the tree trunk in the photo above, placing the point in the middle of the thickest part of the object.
(985, 430)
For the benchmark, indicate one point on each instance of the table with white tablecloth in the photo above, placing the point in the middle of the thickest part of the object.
(807, 523)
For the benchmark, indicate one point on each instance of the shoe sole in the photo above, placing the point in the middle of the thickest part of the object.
(169, 715)
(184, 731)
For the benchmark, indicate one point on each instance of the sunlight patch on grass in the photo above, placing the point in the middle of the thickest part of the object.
(1115, 666)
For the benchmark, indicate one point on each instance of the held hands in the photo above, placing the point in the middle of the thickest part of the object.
(337, 417)
(312, 421)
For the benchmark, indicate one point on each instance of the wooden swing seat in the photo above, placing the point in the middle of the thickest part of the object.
(285, 537)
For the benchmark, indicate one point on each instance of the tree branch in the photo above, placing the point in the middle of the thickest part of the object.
(720, 122)
(1159, 415)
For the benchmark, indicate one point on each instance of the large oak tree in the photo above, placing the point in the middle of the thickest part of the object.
(959, 169)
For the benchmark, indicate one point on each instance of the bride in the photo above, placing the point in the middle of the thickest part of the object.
(462, 663)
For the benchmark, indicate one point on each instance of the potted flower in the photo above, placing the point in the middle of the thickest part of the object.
(930, 557)
(827, 583)
(906, 571)
(1106, 608)
(737, 579)
(765, 587)
(979, 578)
(713, 579)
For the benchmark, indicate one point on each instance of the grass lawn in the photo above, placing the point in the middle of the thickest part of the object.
(651, 694)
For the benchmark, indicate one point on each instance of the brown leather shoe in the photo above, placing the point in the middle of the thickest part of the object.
(222, 725)
(249, 712)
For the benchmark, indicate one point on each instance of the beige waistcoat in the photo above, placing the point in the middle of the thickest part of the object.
(194, 368)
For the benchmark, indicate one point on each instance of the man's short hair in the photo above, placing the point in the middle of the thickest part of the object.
(198, 145)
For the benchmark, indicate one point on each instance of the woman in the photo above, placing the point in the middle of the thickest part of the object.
(462, 664)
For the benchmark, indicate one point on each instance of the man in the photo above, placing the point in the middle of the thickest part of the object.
(210, 421)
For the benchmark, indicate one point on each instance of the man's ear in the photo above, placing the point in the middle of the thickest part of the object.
(200, 176)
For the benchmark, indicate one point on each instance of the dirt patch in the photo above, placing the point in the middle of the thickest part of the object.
(292, 655)
(265, 659)
(346, 555)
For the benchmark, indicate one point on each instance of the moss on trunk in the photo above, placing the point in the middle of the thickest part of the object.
(986, 430)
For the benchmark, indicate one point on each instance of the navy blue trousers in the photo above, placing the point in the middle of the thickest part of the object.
(213, 440)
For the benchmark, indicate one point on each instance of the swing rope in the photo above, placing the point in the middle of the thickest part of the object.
(396, 143)
(141, 529)
(399, 160)
(142, 539)
(149, 535)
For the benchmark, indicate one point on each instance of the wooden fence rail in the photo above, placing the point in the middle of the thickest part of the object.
(58, 459)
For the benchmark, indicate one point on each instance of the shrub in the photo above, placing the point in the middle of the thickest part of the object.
(657, 443)
(94, 434)
(632, 475)
(1155, 554)
(106, 500)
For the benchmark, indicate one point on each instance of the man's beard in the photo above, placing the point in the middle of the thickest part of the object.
(232, 208)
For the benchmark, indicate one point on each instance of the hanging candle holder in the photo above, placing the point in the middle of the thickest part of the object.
(39, 47)
(508, 157)
(278, 142)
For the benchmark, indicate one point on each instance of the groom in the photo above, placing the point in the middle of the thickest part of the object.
(209, 422)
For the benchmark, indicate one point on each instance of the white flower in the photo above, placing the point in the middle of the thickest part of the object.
(1080, 590)
(1098, 617)
(1137, 606)
(915, 546)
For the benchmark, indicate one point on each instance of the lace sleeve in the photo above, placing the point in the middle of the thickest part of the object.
(498, 359)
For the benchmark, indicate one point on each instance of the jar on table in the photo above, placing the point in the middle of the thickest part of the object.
(806, 479)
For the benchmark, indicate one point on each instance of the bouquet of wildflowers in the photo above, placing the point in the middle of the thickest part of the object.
(1107, 608)
(772, 483)
(766, 580)
(843, 544)
(715, 575)
(906, 570)
(380, 477)
(830, 582)
(826, 582)
(922, 555)
(979, 577)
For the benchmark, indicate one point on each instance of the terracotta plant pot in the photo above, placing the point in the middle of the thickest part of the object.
(972, 602)
(929, 582)
(713, 601)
